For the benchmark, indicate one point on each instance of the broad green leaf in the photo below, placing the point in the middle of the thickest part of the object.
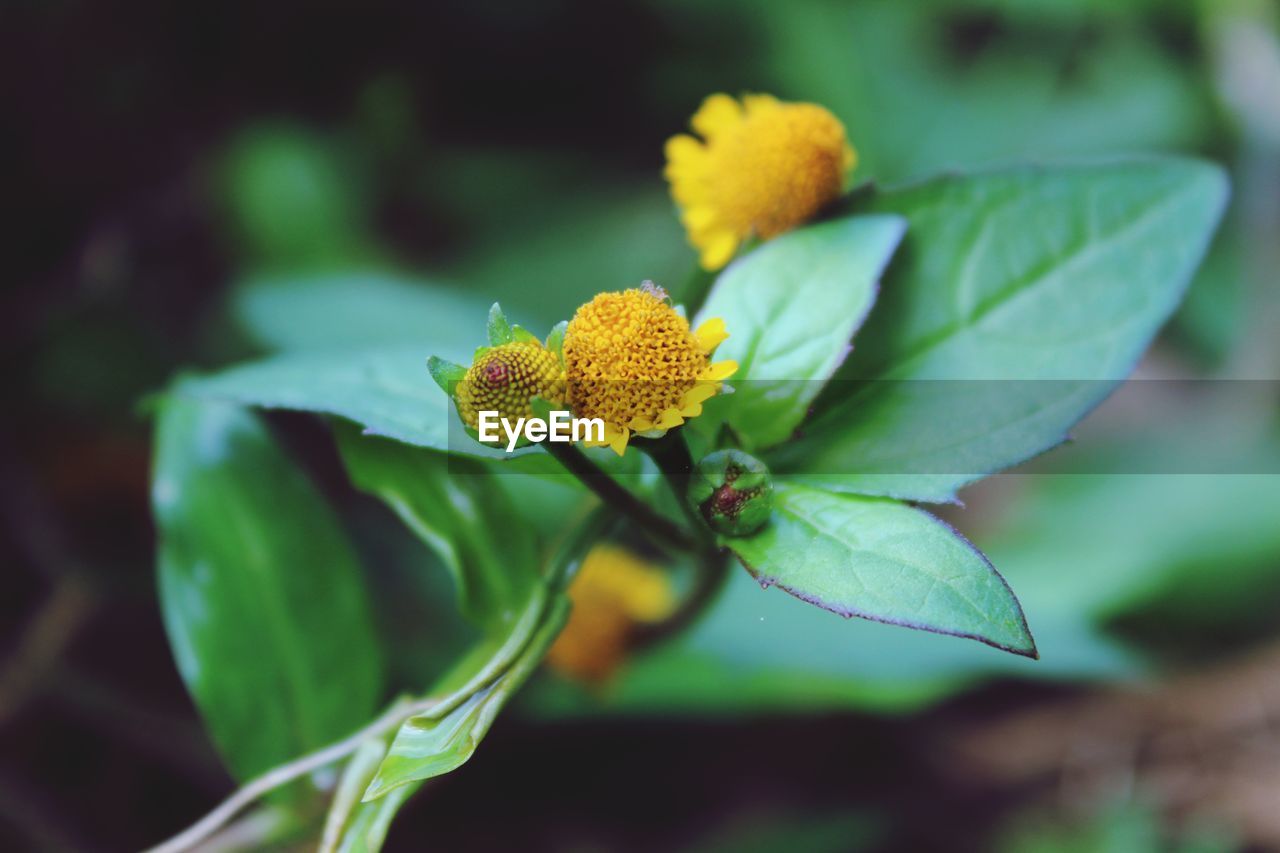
(790, 308)
(260, 591)
(429, 746)
(387, 390)
(884, 561)
(357, 309)
(1038, 287)
(456, 506)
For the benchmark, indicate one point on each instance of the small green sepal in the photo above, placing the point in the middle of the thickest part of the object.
(446, 374)
(499, 329)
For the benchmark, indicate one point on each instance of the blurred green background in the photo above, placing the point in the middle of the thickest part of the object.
(194, 185)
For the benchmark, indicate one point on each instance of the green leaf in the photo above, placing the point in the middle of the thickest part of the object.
(260, 591)
(366, 831)
(1040, 287)
(475, 690)
(500, 331)
(357, 309)
(387, 390)
(884, 561)
(353, 826)
(790, 308)
(427, 746)
(455, 506)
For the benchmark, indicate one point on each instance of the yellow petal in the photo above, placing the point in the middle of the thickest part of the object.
(698, 393)
(759, 103)
(719, 370)
(682, 147)
(716, 113)
(698, 218)
(640, 424)
(717, 251)
(618, 441)
(711, 334)
(668, 419)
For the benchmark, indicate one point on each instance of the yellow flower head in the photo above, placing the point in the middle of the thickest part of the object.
(505, 378)
(761, 168)
(614, 593)
(633, 362)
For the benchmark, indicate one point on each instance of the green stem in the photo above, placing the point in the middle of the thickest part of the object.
(671, 454)
(615, 496)
(713, 571)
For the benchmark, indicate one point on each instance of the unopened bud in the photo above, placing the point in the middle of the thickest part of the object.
(732, 491)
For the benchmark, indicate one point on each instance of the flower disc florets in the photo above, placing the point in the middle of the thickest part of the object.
(632, 361)
(504, 379)
(762, 167)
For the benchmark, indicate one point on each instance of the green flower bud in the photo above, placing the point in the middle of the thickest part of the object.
(732, 491)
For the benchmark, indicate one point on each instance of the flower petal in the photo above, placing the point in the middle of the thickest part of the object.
(717, 250)
(719, 370)
(670, 418)
(711, 334)
(618, 440)
(716, 113)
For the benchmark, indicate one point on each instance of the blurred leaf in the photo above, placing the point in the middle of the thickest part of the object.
(919, 98)
(357, 309)
(426, 747)
(790, 308)
(1216, 308)
(552, 262)
(1104, 545)
(1122, 827)
(881, 560)
(1060, 276)
(455, 506)
(261, 593)
(291, 200)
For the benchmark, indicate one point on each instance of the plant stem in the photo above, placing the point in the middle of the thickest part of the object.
(671, 455)
(713, 571)
(285, 773)
(617, 497)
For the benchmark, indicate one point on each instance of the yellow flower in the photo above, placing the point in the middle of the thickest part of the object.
(505, 378)
(761, 168)
(633, 362)
(614, 593)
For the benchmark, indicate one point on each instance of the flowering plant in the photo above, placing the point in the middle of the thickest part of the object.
(858, 355)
